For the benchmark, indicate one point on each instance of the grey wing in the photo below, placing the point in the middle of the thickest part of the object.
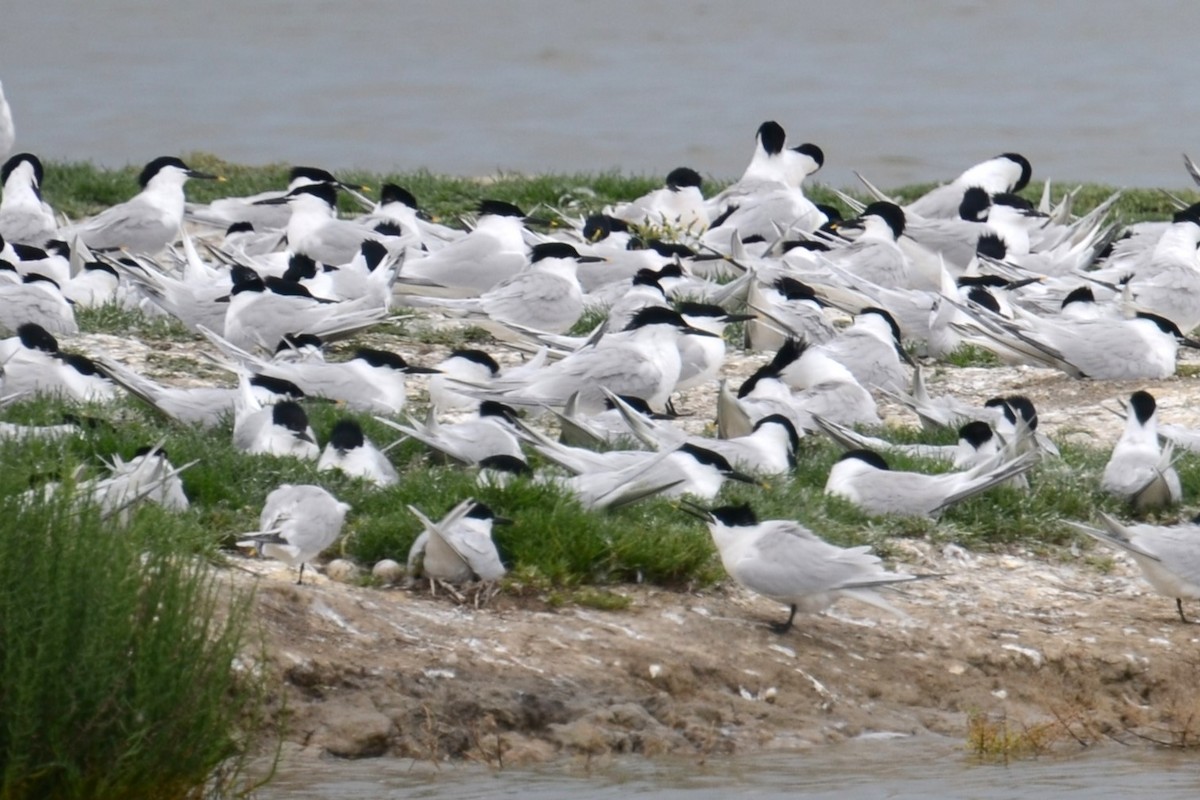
(120, 225)
(1177, 547)
(788, 566)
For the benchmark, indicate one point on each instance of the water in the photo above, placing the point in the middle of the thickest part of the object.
(1096, 90)
(860, 770)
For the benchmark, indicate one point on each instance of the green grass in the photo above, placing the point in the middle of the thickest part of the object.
(117, 655)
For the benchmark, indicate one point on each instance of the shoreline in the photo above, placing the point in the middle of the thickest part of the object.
(1059, 653)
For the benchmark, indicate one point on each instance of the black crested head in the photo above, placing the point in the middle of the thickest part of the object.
(294, 341)
(347, 434)
(681, 177)
(381, 358)
(325, 192)
(481, 511)
(890, 213)
(389, 228)
(1002, 404)
(100, 266)
(708, 457)
(158, 165)
(1081, 295)
(494, 408)
(597, 227)
(1023, 406)
(373, 253)
(478, 357)
(638, 404)
(1013, 201)
(82, 364)
(975, 205)
(1189, 214)
(990, 281)
(14, 161)
(551, 250)
(793, 289)
(990, 245)
(772, 137)
(786, 424)
(812, 245)
(37, 277)
(791, 350)
(975, 433)
(391, 193)
(314, 174)
(1143, 406)
(240, 227)
(506, 463)
(242, 276)
(289, 414)
(300, 266)
(647, 277)
(689, 308)
(887, 317)
(1165, 325)
(656, 315)
(739, 516)
(148, 449)
(277, 386)
(1026, 170)
(812, 151)
(286, 287)
(500, 208)
(833, 214)
(28, 252)
(7, 265)
(981, 296)
(671, 249)
(57, 247)
(867, 457)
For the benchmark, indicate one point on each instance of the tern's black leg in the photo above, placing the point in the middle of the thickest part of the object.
(300, 577)
(782, 628)
(1179, 607)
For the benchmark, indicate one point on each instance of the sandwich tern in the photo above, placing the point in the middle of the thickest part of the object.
(785, 561)
(349, 451)
(281, 429)
(1169, 556)
(24, 216)
(459, 547)
(864, 478)
(296, 524)
(1139, 470)
(150, 220)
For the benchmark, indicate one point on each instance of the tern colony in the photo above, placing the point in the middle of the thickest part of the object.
(842, 305)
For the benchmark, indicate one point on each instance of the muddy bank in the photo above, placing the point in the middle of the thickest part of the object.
(370, 672)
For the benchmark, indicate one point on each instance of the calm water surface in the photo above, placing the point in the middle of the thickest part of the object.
(1100, 90)
(861, 770)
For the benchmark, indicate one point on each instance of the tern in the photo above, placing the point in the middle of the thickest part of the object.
(24, 216)
(1139, 470)
(1169, 556)
(296, 524)
(787, 562)
(459, 547)
(864, 478)
(148, 222)
(349, 451)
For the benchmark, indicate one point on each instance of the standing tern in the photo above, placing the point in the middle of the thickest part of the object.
(296, 524)
(148, 222)
(786, 562)
(1139, 470)
(1169, 556)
